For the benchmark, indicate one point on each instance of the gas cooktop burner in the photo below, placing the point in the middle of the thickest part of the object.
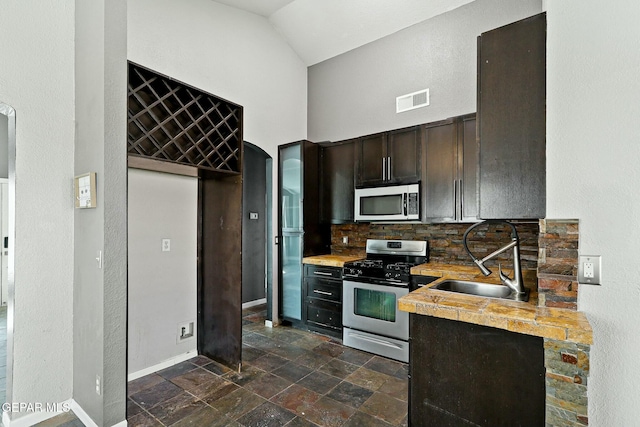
(367, 263)
(400, 266)
(388, 260)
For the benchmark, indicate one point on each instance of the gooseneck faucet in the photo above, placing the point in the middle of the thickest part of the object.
(516, 283)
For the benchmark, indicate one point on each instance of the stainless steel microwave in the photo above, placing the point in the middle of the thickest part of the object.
(393, 203)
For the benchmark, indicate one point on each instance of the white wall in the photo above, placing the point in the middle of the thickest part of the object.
(43, 97)
(354, 94)
(99, 311)
(232, 54)
(4, 147)
(593, 147)
(162, 285)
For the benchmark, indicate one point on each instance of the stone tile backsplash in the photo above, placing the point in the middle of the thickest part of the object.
(558, 263)
(445, 241)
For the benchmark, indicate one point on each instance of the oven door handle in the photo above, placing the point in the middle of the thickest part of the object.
(375, 340)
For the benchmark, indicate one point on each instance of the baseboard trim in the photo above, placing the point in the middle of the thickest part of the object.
(33, 418)
(162, 365)
(86, 419)
(82, 415)
(254, 303)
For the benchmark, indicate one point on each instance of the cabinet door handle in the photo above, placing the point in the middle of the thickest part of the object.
(322, 273)
(460, 194)
(384, 175)
(455, 199)
(315, 291)
(389, 168)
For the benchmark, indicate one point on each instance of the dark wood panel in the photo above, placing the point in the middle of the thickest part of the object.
(322, 271)
(441, 178)
(317, 236)
(465, 374)
(144, 163)
(403, 150)
(220, 266)
(371, 151)
(337, 182)
(324, 313)
(468, 151)
(326, 289)
(512, 115)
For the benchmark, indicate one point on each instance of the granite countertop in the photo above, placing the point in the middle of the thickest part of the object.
(331, 260)
(525, 318)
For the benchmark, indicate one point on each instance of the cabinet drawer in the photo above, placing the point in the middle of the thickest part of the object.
(327, 289)
(324, 313)
(311, 270)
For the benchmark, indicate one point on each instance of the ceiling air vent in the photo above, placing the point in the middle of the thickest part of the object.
(411, 101)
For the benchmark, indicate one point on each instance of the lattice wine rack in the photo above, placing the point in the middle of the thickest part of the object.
(171, 121)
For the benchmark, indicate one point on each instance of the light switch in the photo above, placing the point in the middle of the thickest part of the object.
(166, 245)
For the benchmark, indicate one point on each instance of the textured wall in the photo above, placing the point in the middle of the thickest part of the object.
(230, 53)
(592, 175)
(354, 93)
(233, 54)
(162, 285)
(99, 312)
(4, 147)
(43, 97)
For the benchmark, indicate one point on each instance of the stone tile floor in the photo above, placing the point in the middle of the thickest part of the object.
(289, 378)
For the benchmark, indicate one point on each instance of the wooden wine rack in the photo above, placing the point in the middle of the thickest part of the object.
(171, 121)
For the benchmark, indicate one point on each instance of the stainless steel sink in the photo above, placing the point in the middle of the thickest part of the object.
(480, 289)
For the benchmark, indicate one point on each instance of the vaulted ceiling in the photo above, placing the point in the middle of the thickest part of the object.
(321, 29)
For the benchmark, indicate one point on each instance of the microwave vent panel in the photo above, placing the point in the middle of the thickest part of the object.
(411, 101)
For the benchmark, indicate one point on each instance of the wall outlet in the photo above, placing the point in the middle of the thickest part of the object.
(185, 331)
(589, 268)
(166, 245)
(98, 385)
(345, 240)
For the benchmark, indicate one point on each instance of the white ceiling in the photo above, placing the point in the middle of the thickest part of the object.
(321, 29)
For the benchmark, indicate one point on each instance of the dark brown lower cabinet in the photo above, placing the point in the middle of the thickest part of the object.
(462, 374)
(323, 299)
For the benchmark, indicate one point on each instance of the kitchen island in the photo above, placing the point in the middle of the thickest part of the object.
(492, 361)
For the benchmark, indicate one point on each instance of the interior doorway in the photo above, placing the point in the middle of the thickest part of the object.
(256, 227)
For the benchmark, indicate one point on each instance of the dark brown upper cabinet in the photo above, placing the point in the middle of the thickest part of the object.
(512, 120)
(451, 166)
(337, 182)
(389, 158)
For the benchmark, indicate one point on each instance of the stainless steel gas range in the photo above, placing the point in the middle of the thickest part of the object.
(371, 289)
